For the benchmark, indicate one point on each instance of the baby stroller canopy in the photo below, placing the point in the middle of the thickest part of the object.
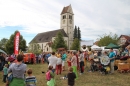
(104, 60)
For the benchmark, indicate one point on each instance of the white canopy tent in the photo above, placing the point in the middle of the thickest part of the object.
(95, 47)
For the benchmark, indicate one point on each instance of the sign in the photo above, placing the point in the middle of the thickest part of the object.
(16, 43)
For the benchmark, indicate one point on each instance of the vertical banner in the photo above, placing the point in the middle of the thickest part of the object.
(16, 43)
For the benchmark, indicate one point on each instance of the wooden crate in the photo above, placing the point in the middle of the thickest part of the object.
(117, 61)
(123, 66)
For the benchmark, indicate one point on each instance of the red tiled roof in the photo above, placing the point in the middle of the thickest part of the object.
(127, 37)
(65, 10)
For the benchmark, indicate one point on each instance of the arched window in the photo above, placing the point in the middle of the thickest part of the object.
(70, 17)
(64, 16)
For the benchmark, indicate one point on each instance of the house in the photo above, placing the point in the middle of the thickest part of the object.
(124, 41)
(45, 39)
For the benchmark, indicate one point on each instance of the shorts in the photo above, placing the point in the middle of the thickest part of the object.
(63, 63)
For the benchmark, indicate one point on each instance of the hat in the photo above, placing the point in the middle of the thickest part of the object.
(10, 59)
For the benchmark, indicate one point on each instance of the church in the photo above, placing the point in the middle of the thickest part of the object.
(45, 39)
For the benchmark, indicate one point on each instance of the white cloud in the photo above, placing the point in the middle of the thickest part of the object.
(94, 17)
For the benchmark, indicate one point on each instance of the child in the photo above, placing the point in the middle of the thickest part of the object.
(71, 77)
(59, 66)
(5, 73)
(30, 79)
(51, 81)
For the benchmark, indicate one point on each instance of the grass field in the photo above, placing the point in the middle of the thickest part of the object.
(87, 79)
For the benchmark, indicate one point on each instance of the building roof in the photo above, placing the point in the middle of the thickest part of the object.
(65, 10)
(125, 36)
(47, 36)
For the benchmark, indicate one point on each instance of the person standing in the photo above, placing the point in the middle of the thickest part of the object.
(81, 61)
(69, 55)
(74, 63)
(71, 77)
(112, 59)
(5, 73)
(64, 56)
(53, 61)
(59, 65)
(18, 70)
(30, 80)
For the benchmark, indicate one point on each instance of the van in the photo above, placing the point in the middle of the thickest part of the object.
(29, 58)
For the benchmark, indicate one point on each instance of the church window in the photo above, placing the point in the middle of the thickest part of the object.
(64, 16)
(70, 17)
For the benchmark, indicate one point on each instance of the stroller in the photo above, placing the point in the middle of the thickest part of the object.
(94, 64)
(104, 66)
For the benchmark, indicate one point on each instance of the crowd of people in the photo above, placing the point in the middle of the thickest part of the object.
(76, 61)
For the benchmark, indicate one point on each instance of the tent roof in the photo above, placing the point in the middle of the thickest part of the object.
(95, 47)
(111, 45)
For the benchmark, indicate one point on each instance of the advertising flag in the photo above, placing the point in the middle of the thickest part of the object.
(16, 43)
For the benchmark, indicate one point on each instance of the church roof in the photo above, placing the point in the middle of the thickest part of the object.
(65, 10)
(47, 36)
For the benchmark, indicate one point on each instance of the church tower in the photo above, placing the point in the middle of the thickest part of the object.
(67, 23)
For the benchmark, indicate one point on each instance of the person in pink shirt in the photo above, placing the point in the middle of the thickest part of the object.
(74, 64)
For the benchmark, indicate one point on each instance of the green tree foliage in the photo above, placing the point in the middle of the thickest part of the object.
(106, 39)
(79, 34)
(75, 32)
(10, 43)
(76, 44)
(35, 48)
(3, 43)
(59, 42)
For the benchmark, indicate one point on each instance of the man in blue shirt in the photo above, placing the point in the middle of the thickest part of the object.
(112, 59)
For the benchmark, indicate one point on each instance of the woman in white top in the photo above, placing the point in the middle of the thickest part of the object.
(81, 61)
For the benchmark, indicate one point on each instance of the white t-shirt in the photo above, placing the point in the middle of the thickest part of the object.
(59, 61)
(52, 61)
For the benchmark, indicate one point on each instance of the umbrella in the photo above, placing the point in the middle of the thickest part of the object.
(3, 51)
(111, 45)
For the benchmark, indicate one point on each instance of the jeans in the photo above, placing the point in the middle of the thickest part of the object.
(81, 66)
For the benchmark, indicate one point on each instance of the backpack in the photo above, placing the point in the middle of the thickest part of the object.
(48, 76)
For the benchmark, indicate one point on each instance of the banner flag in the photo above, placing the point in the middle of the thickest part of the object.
(16, 43)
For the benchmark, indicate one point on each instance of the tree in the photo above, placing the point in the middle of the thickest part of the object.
(79, 33)
(59, 42)
(3, 43)
(76, 44)
(10, 43)
(35, 48)
(105, 39)
(75, 32)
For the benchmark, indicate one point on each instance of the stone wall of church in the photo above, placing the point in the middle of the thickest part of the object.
(45, 47)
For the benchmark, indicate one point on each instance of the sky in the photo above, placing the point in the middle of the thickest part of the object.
(94, 17)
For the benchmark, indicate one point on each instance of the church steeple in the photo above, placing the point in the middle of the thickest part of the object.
(67, 23)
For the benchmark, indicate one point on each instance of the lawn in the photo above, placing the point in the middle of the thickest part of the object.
(87, 79)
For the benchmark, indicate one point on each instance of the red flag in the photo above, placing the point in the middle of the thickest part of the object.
(16, 43)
